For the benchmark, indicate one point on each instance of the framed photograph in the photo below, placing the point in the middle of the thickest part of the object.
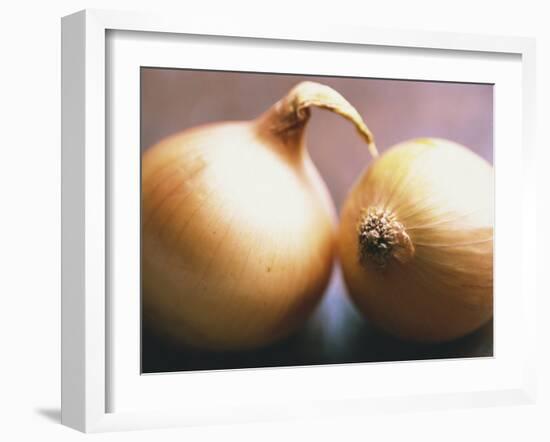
(262, 222)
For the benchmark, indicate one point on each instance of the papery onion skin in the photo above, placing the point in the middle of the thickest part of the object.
(238, 229)
(437, 284)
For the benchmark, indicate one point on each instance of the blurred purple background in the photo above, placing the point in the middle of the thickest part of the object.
(395, 110)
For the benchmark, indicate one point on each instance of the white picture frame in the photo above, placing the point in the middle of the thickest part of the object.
(86, 352)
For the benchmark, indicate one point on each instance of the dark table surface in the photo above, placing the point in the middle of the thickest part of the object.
(335, 334)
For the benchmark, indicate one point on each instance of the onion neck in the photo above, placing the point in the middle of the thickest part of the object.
(287, 119)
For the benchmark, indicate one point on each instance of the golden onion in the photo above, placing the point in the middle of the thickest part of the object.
(238, 227)
(416, 241)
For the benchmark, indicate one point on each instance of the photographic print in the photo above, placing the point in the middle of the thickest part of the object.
(296, 220)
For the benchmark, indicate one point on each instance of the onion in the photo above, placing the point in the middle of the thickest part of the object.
(416, 241)
(238, 229)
